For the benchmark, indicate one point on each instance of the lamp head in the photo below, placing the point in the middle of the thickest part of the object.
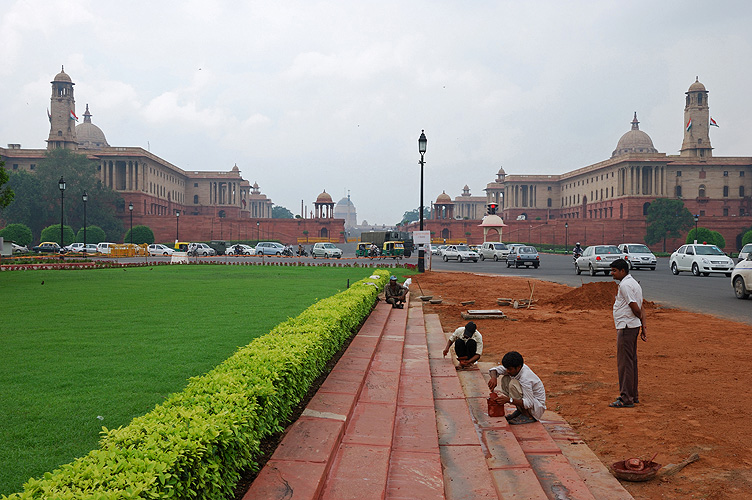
(130, 206)
(61, 184)
(422, 142)
(177, 214)
(85, 197)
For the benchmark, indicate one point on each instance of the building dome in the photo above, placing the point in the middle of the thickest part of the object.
(492, 221)
(501, 171)
(443, 199)
(346, 210)
(697, 86)
(88, 135)
(62, 77)
(634, 141)
(345, 202)
(324, 198)
(235, 168)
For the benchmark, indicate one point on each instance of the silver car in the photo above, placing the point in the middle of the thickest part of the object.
(159, 249)
(745, 252)
(269, 248)
(597, 258)
(461, 253)
(638, 256)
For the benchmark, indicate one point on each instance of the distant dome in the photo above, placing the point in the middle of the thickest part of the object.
(88, 135)
(345, 202)
(697, 86)
(346, 210)
(62, 77)
(634, 141)
(443, 198)
(324, 198)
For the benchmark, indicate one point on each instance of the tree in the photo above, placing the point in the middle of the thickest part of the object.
(141, 234)
(18, 233)
(705, 235)
(94, 234)
(37, 202)
(6, 193)
(280, 212)
(667, 219)
(414, 215)
(747, 238)
(52, 233)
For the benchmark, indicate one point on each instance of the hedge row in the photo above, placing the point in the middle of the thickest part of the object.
(199, 441)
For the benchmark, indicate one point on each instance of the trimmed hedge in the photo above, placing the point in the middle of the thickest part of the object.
(199, 441)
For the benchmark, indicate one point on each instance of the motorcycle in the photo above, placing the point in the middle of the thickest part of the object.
(287, 252)
(302, 253)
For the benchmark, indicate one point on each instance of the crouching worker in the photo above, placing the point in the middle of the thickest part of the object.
(520, 387)
(468, 345)
(395, 293)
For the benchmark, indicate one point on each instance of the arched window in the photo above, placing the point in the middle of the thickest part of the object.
(445, 233)
(678, 192)
(701, 191)
(645, 207)
(621, 210)
(324, 233)
(195, 199)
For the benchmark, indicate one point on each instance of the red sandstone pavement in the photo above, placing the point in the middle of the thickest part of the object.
(395, 420)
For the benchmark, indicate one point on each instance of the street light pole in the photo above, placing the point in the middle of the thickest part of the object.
(85, 198)
(130, 209)
(422, 143)
(566, 237)
(177, 226)
(61, 186)
(258, 231)
(697, 218)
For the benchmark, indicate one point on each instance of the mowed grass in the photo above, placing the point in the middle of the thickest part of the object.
(85, 349)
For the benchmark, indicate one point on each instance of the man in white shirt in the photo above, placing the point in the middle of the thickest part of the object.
(520, 387)
(629, 318)
(468, 345)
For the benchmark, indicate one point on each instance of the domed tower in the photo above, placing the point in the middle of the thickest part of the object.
(634, 141)
(443, 207)
(495, 190)
(324, 206)
(696, 122)
(89, 136)
(346, 210)
(62, 113)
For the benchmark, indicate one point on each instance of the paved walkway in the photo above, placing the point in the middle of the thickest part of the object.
(395, 420)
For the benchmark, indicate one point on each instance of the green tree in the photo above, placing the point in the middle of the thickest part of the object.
(6, 193)
(94, 234)
(705, 235)
(19, 233)
(141, 234)
(667, 219)
(280, 212)
(414, 215)
(37, 203)
(52, 233)
(747, 238)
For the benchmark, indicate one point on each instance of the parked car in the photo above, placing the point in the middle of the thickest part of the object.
(90, 248)
(741, 278)
(47, 247)
(438, 250)
(491, 250)
(19, 248)
(597, 258)
(240, 249)
(203, 249)
(326, 250)
(105, 247)
(701, 259)
(159, 249)
(269, 248)
(523, 255)
(460, 253)
(745, 252)
(638, 255)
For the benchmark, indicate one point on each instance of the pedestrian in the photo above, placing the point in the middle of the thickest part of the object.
(395, 294)
(520, 387)
(468, 345)
(629, 318)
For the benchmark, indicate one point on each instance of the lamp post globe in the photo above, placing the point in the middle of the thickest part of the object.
(61, 186)
(85, 198)
(422, 144)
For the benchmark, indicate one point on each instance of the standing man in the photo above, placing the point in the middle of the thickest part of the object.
(629, 318)
(468, 345)
(395, 293)
(520, 387)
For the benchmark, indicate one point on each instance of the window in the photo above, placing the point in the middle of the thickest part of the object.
(678, 173)
(701, 191)
(32, 166)
(741, 191)
(15, 166)
(702, 213)
(549, 202)
(678, 191)
(699, 99)
(725, 191)
(195, 184)
(725, 173)
(549, 188)
(195, 199)
(725, 212)
(741, 173)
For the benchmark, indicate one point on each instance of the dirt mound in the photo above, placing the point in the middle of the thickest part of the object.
(597, 295)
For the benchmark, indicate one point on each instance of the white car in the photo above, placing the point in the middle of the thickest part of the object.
(19, 248)
(460, 253)
(240, 249)
(493, 250)
(269, 248)
(197, 249)
(438, 250)
(741, 278)
(74, 247)
(159, 249)
(700, 259)
(325, 250)
(638, 255)
(104, 247)
(745, 252)
(597, 258)
(90, 248)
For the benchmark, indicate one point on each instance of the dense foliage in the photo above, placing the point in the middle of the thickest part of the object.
(705, 235)
(6, 193)
(94, 234)
(52, 233)
(19, 233)
(141, 234)
(747, 238)
(280, 212)
(667, 219)
(414, 215)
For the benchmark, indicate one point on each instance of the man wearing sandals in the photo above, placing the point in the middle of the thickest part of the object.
(629, 318)
(520, 387)
(468, 345)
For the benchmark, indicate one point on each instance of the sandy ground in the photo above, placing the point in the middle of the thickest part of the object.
(695, 376)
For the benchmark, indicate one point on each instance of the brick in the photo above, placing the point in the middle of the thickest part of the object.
(415, 367)
(359, 471)
(504, 450)
(343, 381)
(466, 476)
(519, 484)
(331, 403)
(473, 384)
(415, 476)
(415, 429)
(310, 439)
(380, 387)
(557, 477)
(415, 391)
(442, 367)
(447, 388)
(371, 424)
(454, 423)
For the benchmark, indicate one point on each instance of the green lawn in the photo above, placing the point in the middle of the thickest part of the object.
(86, 349)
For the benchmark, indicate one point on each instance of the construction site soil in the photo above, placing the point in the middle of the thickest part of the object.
(694, 370)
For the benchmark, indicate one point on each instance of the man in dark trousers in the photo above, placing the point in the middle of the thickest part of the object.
(468, 345)
(395, 293)
(629, 318)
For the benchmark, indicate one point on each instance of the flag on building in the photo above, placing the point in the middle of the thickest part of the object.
(73, 116)
(712, 122)
(49, 116)
(689, 124)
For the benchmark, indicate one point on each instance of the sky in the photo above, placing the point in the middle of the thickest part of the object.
(307, 96)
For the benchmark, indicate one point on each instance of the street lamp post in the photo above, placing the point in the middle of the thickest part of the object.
(177, 226)
(130, 209)
(697, 218)
(566, 237)
(422, 143)
(258, 231)
(61, 186)
(85, 198)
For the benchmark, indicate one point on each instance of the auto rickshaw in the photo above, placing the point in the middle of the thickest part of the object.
(393, 249)
(181, 246)
(362, 250)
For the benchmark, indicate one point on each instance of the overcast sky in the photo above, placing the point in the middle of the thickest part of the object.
(306, 96)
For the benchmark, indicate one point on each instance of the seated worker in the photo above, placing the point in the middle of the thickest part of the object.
(519, 387)
(468, 345)
(395, 293)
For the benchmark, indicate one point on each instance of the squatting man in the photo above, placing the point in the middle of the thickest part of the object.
(520, 387)
(468, 345)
